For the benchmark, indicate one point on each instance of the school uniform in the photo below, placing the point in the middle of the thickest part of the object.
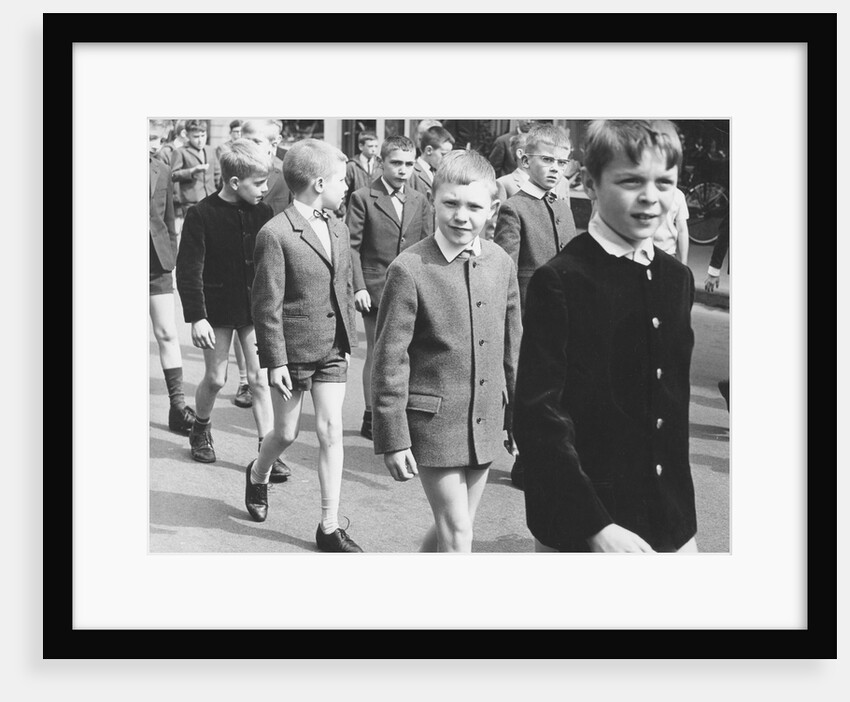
(163, 233)
(278, 196)
(215, 262)
(378, 234)
(601, 415)
(445, 355)
(302, 298)
(510, 184)
(502, 156)
(422, 177)
(360, 174)
(532, 227)
(194, 187)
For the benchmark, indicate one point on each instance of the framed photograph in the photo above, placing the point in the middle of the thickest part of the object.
(137, 524)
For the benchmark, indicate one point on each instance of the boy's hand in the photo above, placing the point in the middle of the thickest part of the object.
(279, 380)
(510, 445)
(712, 282)
(203, 335)
(200, 167)
(616, 539)
(362, 301)
(401, 464)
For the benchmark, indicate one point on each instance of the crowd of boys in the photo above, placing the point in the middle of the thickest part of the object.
(489, 320)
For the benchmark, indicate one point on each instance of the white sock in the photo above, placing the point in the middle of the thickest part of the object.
(257, 478)
(243, 377)
(330, 506)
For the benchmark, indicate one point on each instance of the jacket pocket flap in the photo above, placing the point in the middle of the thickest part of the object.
(424, 403)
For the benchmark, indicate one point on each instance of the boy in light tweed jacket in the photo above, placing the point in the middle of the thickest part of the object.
(446, 350)
(303, 309)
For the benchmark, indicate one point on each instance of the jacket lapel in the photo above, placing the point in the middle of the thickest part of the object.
(300, 224)
(154, 173)
(384, 203)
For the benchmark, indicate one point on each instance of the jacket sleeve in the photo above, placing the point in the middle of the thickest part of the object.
(513, 334)
(497, 156)
(267, 299)
(180, 171)
(543, 429)
(721, 246)
(355, 220)
(168, 216)
(507, 233)
(391, 364)
(190, 267)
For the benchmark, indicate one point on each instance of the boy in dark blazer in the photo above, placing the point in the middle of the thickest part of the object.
(266, 134)
(383, 219)
(215, 272)
(445, 354)
(194, 166)
(163, 255)
(436, 142)
(601, 417)
(535, 223)
(303, 308)
(365, 167)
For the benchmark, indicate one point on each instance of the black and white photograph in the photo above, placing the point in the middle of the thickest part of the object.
(345, 308)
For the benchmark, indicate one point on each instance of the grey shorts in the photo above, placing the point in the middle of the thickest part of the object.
(333, 368)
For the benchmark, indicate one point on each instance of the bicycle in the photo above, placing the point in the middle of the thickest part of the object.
(708, 202)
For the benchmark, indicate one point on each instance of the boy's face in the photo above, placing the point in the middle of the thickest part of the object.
(155, 135)
(250, 189)
(334, 187)
(546, 165)
(198, 138)
(267, 142)
(369, 148)
(235, 133)
(398, 165)
(434, 157)
(463, 210)
(634, 199)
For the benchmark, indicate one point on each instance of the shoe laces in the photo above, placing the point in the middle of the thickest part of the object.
(203, 439)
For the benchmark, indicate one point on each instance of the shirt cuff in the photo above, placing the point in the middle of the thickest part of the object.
(714, 272)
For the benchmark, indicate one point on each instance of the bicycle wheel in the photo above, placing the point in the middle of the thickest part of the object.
(707, 204)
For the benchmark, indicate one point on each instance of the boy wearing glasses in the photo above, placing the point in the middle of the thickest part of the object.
(535, 224)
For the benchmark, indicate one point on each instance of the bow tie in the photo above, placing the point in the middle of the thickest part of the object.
(550, 197)
(398, 195)
(318, 214)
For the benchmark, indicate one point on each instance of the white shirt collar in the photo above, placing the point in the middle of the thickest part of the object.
(532, 189)
(521, 174)
(389, 187)
(305, 210)
(615, 245)
(425, 167)
(451, 250)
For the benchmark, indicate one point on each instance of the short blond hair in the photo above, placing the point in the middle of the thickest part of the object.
(307, 160)
(464, 167)
(243, 159)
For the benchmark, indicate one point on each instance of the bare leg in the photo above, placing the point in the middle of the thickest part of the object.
(215, 372)
(690, 547)
(287, 424)
(165, 330)
(239, 354)
(257, 380)
(328, 399)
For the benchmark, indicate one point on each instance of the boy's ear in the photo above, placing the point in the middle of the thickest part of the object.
(587, 182)
(494, 212)
(233, 182)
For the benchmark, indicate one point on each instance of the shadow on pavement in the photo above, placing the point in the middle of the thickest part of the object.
(709, 431)
(718, 465)
(169, 509)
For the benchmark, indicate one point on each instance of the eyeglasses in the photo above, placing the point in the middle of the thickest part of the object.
(550, 160)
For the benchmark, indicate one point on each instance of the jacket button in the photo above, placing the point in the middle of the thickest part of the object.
(656, 322)
(478, 304)
(658, 469)
(481, 382)
(560, 246)
(557, 220)
(481, 343)
(330, 314)
(479, 420)
(402, 240)
(659, 423)
(658, 373)
(649, 274)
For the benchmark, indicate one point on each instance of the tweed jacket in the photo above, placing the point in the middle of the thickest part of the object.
(532, 231)
(194, 187)
(302, 301)
(603, 390)
(357, 177)
(215, 265)
(162, 229)
(377, 236)
(420, 180)
(445, 355)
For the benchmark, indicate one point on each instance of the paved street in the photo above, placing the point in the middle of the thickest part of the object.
(197, 507)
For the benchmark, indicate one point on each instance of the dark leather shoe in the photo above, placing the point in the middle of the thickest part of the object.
(336, 542)
(180, 420)
(243, 398)
(202, 444)
(366, 427)
(256, 497)
(517, 475)
(280, 471)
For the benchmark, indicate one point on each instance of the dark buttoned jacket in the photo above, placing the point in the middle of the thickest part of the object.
(303, 301)
(215, 263)
(194, 187)
(357, 177)
(420, 180)
(377, 235)
(502, 156)
(445, 355)
(532, 231)
(162, 229)
(602, 398)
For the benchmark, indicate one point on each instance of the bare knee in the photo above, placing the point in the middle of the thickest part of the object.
(329, 432)
(164, 335)
(215, 379)
(257, 379)
(285, 435)
(455, 533)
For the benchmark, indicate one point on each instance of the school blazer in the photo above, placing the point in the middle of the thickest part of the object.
(501, 156)
(357, 177)
(194, 187)
(419, 180)
(299, 294)
(446, 350)
(163, 231)
(532, 231)
(278, 196)
(377, 236)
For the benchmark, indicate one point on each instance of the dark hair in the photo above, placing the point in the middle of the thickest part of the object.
(235, 124)
(366, 136)
(606, 138)
(243, 159)
(435, 137)
(195, 125)
(397, 142)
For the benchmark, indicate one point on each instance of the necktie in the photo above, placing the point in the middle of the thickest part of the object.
(398, 195)
(318, 214)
